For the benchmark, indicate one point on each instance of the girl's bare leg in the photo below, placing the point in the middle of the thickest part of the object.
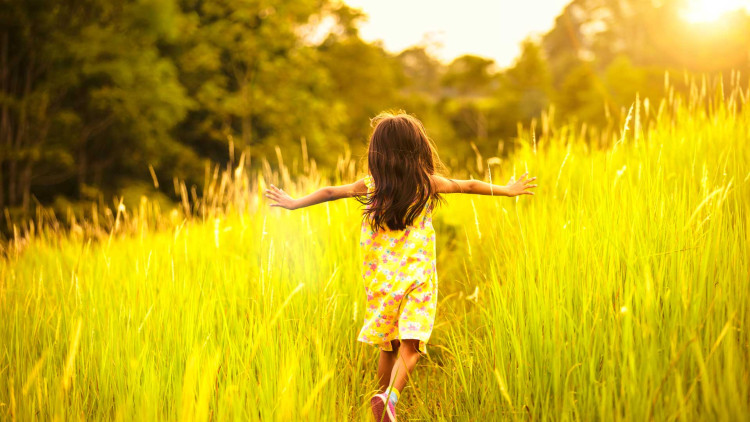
(385, 366)
(407, 360)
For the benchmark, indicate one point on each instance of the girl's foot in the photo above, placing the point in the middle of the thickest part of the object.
(382, 408)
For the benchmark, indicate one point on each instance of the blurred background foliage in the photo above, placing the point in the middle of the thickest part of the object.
(102, 97)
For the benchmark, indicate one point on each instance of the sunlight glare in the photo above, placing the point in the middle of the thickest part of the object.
(704, 11)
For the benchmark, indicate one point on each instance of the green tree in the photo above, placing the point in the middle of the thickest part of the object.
(85, 94)
(365, 78)
(422, 72)
(255, 82)
(469, 76)
(527, 85)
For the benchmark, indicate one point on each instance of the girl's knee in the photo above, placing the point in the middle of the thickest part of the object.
(410, 347)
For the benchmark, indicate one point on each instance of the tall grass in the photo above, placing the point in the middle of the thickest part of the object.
(620, 291)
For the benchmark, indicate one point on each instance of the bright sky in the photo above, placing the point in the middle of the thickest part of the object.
(488, 28)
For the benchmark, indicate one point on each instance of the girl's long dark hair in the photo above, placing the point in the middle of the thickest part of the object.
(401, 159)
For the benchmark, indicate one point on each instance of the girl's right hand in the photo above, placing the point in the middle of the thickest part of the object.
(520, 186)
(280, 198)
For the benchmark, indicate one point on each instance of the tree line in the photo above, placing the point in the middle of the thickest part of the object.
(97, 96)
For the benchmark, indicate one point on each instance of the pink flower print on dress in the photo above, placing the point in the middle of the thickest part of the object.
(422, 312)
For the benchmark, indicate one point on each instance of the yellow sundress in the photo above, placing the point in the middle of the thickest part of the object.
(400, 281)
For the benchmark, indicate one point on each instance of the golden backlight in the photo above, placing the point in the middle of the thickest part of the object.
(704, 11)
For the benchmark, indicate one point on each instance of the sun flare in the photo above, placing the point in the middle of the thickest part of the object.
(704, 11)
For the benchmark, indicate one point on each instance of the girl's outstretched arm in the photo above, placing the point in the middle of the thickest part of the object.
(477, 187)
(328, 193)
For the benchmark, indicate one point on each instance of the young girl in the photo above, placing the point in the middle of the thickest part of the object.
(398, 243)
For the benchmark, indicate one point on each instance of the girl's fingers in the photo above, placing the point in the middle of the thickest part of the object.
(272, 198)
(277, 195)
(278, 191)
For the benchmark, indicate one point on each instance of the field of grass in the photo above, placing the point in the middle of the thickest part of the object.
(620, 291)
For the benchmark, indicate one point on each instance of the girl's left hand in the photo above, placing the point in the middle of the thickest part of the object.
(520, 186)
(280, 198)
